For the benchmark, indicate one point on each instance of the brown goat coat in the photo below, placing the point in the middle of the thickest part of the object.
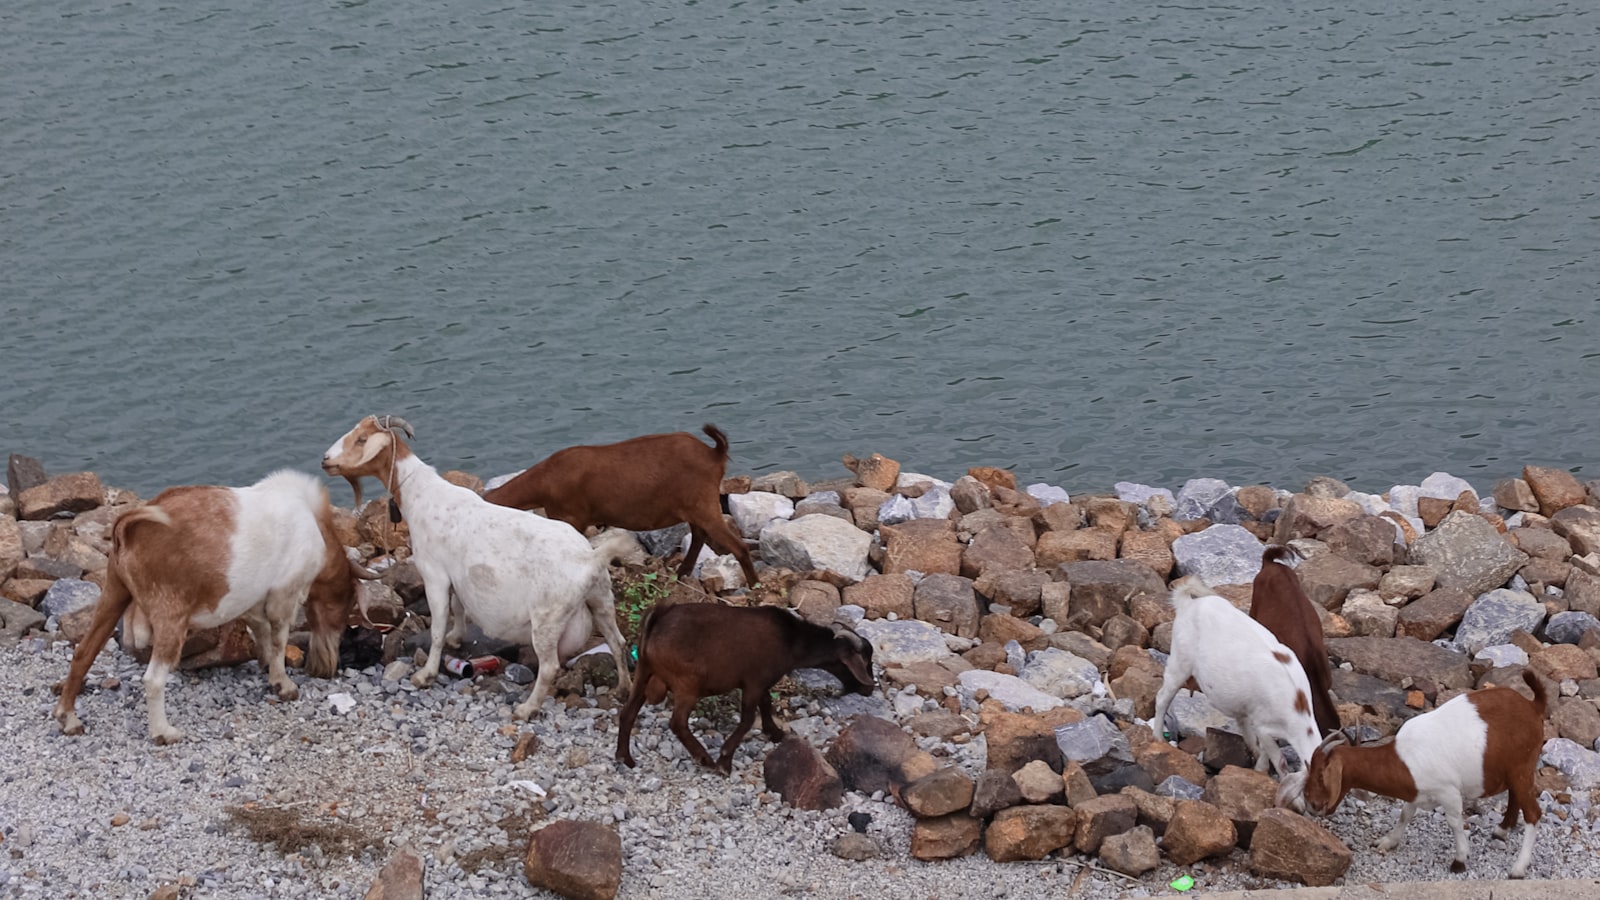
(1278, 602)
(641, 484)
(699, 650)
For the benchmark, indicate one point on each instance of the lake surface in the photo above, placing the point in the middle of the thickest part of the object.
(1090, 241)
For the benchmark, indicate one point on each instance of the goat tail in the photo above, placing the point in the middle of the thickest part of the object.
(1537, 686)
(717, 437)
(139, 514)
(1280, 553)
(1189, 587)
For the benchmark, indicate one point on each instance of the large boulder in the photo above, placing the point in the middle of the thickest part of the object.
(1554, 489)
(873, 754)
(1029, 832)
(948, 602)
(1099, 590)
(74, 493)
(1495, 616)
(817, 543)
(1403, 660)
(995, 549)
(1468, 553)
(903, 643)
(1291, 847)
(1014, 739)
(1059, 673)
(1432, 614)
(1368, 540)
(945, 837)
(798, 773)
(577, 860)
(921, 545)
(939, 793)
(1009, 691)
(1221, 554)
(1198, 830)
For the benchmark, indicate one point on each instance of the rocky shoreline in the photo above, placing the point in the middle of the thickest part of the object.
(1020, 635)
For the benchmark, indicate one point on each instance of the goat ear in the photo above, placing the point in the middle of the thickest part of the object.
(376, 443)
(851, 656)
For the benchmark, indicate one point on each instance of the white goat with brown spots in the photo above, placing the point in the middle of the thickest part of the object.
(1244, 672)
(199, 556)
(519, 576)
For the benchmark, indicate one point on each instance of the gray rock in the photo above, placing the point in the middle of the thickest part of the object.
(1139, 493)
(1495, 616)
(1059, 673)
(1091, 740)
(1047, 494)
(1580, 765)
(1468, 553)
(663, 541)
(1227, 511)
(817, 542)
(1568, 627)
(755, 510)
(17, 619)
(1197, 496)
(903, 643)
(1179, 788)
(1502, 655)
(68, 595)
(1010, 691)
(1221, 554)
(1192, 714)
(895, 510)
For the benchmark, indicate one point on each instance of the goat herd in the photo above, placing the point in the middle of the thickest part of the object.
(201, 556)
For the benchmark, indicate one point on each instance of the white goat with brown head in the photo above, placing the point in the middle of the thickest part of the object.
(520, 577)
(201, 556)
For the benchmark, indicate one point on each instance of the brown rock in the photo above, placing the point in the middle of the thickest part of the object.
(1583, 591)
(1057, 547)
(1155, 810)
(941, 724)
(1555, 489)
(931, 678)
(1560, 662)
(1197, 831)
(995, 549)
(1577, 720)
(1328, 578)
(815, 601)
(1059, 517)
(969, 495)
(797, 772)
(1409, 582)
(997, 628)
(1020, 591)
(1291, 847)
(1075, 781)
(1256, 500)
(923, 545)
(1307, 515)
(579, 860)
(1432, 614)
(995, 790)
(1014, 503)
(1541, 543)
(1124, 631)
(863, 504)
(1152, 548)
(1111, 514)
(25, 590)
(945, 837)
(876, 471)
(1102, 817)
(994, 477)
(1015, 739)
(1516, 495)
(881, 595)
(1132, 852)
(873, 754)
(1580, 525)
(1100, 590)
(1468, 553)
(76, 492)
(1029, 832)
(1432, 510)
(400, 878)
(948, 602)
(938, 793)
(1242, 795)
(1161, 761)
(1368, 540)
(1140, 686)
(168, 891)
(1404, 661)
(1039, 783)
(22, 473)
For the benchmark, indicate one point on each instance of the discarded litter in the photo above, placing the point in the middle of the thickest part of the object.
(1182, 883)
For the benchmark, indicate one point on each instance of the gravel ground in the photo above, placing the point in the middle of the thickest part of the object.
(110, 815)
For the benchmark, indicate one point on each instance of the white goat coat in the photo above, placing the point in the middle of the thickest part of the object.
(1444, 750)
(276, 544)
(501, 562)
(1244, 671)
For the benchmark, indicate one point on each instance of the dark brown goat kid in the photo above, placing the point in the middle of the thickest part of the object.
(698, 650)
(641, 484)
(1278, 602)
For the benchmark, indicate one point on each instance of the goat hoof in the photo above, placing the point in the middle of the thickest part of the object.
(1457, 866)
(422, 680)
(70, 725)
(170, 736)
(289, 693)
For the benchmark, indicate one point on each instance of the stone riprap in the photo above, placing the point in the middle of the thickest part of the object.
(1018, 635)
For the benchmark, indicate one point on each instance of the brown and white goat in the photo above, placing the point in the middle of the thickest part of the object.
(698, 650)
(1477, 745)
(641, 484)
(1279, 602)
(201, 556)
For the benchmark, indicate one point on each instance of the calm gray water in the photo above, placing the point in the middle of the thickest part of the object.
(1090, 240)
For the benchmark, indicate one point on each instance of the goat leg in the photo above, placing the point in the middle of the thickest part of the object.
(165, 651)
(768, 723)
(749, 701)
(679, 723)
(1452, 815)
(1397, 835)
(436, 585)
(113, 603)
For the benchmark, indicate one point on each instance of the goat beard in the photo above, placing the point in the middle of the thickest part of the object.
(355, 488)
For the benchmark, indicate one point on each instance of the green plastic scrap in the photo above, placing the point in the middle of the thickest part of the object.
(1182, 883)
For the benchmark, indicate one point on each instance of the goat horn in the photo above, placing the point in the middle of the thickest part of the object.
(390, 423)
(1338, 737)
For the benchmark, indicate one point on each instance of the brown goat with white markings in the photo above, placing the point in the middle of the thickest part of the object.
(196, 557)
(641, 484)
(1279, 602)
(698, 650)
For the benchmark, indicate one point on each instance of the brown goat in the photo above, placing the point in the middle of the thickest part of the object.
(202, 556)
(1279, 602)
(1477, 745)
(698, 650)
(641, 484)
